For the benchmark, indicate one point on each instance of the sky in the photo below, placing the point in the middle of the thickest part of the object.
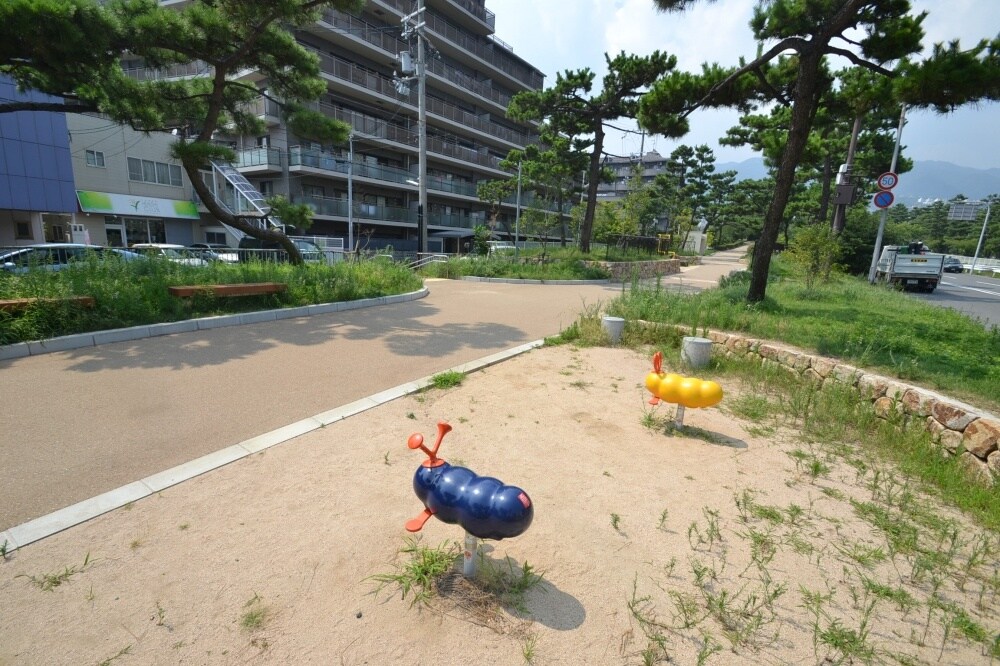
(553, 39)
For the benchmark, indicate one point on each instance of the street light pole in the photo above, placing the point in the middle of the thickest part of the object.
(517, 211)
(979, 245)
(885, 211)
(350, 192)
(422, 132)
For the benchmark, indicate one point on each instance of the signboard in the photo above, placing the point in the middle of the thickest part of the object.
(887, 181)
(883, 199)
(133, 206)
(964, 212)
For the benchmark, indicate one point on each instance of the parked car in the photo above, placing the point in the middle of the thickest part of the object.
(216, 252)
(500, 248)
(57, 256)
(171, 252)
(953, 265)
(252, 248)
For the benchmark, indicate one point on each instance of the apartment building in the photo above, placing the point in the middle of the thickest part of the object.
(651, 163)
(470, 78)
(129, 189)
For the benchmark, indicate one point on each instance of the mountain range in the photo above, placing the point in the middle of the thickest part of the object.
(927, 181)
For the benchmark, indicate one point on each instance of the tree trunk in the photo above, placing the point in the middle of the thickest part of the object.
(587, 226)
(562, 220)
(798, 134)
(824, 197)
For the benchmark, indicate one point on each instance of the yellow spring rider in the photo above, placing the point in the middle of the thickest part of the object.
(682, 391)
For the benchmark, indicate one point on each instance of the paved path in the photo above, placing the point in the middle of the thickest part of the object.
(79, 423)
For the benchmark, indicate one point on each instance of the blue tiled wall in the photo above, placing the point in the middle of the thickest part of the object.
(36, 172)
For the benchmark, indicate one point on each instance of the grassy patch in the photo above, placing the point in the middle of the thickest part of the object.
(135, 293)
(891, 332)
(447, 380)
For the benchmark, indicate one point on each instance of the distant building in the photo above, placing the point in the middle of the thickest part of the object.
(652, 164)
(36, 181)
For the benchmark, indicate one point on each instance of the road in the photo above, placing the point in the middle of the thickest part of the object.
(80, 423)
(974, 295)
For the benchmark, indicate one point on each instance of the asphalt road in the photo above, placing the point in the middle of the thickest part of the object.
(974, 295)
(80, 423)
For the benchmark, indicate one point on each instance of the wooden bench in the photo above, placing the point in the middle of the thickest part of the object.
(21, 304)
(225, 290)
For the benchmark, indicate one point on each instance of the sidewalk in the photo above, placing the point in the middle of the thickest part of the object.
(88, 421)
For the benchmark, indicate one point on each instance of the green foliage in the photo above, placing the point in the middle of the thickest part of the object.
(814, 249)
(846, 319)
(814, 31)
(526, 268)
(420, 574)
(447, 380)
(480, 240)
(569, 109)
(134, 293)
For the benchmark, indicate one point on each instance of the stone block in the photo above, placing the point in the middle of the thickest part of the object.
(823, 366)
(981, 437)
(951, 416)
(916, 402)
(871, 387)
(977, 470)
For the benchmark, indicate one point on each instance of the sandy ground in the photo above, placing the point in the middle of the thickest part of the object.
(651, 545)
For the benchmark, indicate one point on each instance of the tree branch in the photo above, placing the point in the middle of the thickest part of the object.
(793, 43)
(859, 61)
(55, 107)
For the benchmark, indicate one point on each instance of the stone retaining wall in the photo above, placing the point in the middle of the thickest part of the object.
(623, 271)
(958, 428)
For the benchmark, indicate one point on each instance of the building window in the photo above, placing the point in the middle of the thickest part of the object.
(22, 230)
(159, 173)
(266, 187)
(95, 158)
(218, 237)
(312, 191)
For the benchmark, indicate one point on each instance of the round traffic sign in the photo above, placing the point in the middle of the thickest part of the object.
(887, 181)
(883, 199)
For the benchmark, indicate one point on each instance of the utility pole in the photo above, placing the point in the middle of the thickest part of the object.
(840, 212)
(422, 131)
(413, 24)
(517, 213)
(350, 192)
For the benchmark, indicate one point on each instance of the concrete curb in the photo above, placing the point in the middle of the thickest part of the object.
(57, 521)
(79, 340)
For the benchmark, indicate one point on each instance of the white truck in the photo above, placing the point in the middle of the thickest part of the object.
(910, 267)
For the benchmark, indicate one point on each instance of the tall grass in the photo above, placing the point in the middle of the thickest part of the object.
(135, 292)
(874, 327)
(524, 269)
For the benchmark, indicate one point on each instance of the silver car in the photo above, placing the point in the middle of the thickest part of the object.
(56, 256)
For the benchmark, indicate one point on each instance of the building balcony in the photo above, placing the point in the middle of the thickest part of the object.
(255, 158)
(299, 156)
(492, 52)
(483, 17)
(341, 27)
(364, 78)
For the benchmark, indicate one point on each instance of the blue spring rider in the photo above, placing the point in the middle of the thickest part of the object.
(484, 506)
